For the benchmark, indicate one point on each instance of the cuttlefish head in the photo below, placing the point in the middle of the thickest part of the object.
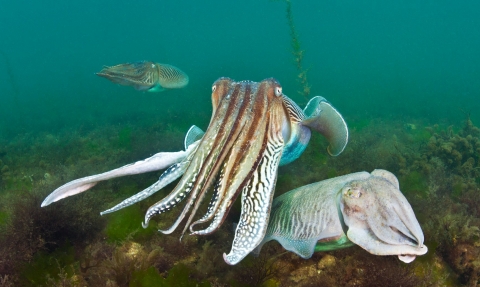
(380, 219)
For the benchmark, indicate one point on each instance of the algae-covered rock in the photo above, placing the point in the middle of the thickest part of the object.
(327, 261)
(303, 273)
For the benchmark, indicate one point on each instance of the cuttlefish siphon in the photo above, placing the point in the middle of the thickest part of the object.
(146, 76)
(366, 209)
(254, 128)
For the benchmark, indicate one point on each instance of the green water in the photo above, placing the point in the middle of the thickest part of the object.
(405, 59)
(393, 69)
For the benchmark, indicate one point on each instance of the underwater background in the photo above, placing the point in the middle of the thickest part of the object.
(405, 75)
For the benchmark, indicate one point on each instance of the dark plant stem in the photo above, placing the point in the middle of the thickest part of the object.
(297, 53)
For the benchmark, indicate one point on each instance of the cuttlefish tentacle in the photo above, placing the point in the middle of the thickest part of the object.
(194, 134)
(253, 112)
(243, 162)
(240, 162)
(171, 174)
(219, 137)
(214, 201)
(158, 161)
(257, 198)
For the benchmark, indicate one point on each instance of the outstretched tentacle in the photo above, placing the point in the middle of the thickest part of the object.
(171, 174)
(158, 161)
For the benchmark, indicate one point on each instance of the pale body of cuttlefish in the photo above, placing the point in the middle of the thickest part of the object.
(146, 76)
(366, 209)
(254, 128)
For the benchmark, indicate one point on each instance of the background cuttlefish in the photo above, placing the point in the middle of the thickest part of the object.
(367, 209)
(146, 76)
(254, 128)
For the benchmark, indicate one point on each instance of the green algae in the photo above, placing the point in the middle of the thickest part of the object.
(146, 278)
(178, 276)
(127, 222)
(35, 272)
(414, 183)
(3, 218)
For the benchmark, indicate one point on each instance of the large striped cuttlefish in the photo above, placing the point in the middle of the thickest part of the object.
(254, 128)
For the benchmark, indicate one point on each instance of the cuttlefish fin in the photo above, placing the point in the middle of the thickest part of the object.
(388, 176)
(158, 161)
(325, 119)
(255, 213)
(194, 134)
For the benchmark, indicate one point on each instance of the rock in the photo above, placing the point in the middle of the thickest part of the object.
(303, 273)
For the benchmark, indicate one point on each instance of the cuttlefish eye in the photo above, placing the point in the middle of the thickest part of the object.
(214, 87)
(278, 91)
(353, 192)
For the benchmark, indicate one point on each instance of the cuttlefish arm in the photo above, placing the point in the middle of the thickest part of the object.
(158, 161)
(362, 208)
(146, 76)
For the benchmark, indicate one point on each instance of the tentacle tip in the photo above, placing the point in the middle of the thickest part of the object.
(231, 259)
(145, 225)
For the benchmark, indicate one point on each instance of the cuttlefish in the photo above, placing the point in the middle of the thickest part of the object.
(366, 209)
(254, 128)
(146, 76)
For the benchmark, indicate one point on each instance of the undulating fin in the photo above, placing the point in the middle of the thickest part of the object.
(171, 77)
(324, 118)
(194, 134)
(342, 242)
(296, 135)
(388, 176)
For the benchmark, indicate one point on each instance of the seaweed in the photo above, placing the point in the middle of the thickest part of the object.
(30, 229)
(125, 224)
(297, 52)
